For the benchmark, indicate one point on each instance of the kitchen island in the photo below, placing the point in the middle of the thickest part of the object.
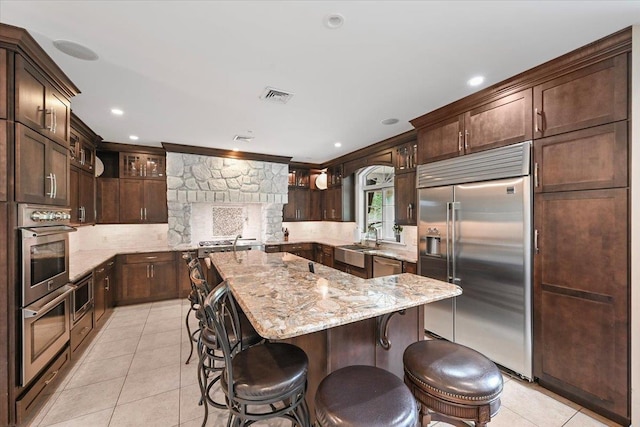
(338, 319)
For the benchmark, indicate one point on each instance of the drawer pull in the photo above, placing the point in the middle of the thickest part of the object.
(151, 257)
(85, 330)
(54, 374)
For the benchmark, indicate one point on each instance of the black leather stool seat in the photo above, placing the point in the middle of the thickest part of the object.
(364, 396)
(453, 380)
(268, 370)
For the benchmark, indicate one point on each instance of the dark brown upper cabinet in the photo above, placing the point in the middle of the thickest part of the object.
(4, 158)
(4, 100)
(405, 193)
(42, 169)
(39, 105)
(142, 165)
(493, 124)
(590, 96)
(586, 159)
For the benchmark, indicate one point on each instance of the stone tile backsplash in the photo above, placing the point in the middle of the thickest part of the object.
(215, 182)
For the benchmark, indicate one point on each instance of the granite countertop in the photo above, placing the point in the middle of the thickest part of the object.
(83, 262)
(283, 299)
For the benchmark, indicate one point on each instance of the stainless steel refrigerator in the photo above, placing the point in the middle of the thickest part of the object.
(475, 231)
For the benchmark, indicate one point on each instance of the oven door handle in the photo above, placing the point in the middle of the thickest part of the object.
(34, 310)
(48, 231)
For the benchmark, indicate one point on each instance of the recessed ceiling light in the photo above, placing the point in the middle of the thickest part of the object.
(133, 137)
(75, 49)
(117, 112)
(337, 144)
(475, 81)
(333, 21)
(389, 121)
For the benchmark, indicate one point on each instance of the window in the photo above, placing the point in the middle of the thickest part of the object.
(377, 200)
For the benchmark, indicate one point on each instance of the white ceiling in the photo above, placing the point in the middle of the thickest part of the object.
(191, 72)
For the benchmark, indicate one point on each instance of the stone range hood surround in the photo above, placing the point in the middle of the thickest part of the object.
(215, 180)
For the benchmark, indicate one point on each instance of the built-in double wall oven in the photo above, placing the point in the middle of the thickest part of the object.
(47, 296)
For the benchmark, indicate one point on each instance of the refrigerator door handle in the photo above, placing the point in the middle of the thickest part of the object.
(454, 279)
(448, 241)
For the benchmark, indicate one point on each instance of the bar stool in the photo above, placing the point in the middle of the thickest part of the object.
(195, 270)
(364, 396)
(452, 382)
(268, 376)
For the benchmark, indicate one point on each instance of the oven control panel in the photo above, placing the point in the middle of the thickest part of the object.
(38, 215)
(42, 216)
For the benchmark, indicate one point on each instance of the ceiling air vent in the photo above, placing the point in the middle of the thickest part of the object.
(242, 138)
(276, 95)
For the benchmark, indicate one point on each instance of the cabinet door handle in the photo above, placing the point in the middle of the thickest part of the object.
(81, 156)
(55, 121)
(535, 174)
(107, 283)
(147, 271)
(55, 186)
(50, 178)
(538, 120)
(47, 112)
(459, 141)
(145, 214)
(466, 139)
(152, 270)
(141, 217)
(535, 241)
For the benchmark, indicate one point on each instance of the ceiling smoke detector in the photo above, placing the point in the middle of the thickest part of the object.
(276, 95)
(243, 138)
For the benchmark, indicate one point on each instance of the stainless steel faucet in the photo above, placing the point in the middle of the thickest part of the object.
(375, 231)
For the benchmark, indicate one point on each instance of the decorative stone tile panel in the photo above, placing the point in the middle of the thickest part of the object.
(204, 179)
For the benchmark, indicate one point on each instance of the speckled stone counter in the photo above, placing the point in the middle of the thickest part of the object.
(283, 299)
(336, 318)
(82, 263)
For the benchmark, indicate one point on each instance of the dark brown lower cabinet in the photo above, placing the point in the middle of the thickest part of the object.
(80, 332)
(304, 250)
(581, 298)
(146, 277)
(363, 273)
(103, 288)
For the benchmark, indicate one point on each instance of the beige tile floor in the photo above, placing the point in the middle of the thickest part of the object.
(133, 374)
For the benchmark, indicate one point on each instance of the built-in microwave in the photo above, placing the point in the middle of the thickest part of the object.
(81, 298)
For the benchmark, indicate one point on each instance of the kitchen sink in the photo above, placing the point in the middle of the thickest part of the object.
(355, 247)
(351, 254)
